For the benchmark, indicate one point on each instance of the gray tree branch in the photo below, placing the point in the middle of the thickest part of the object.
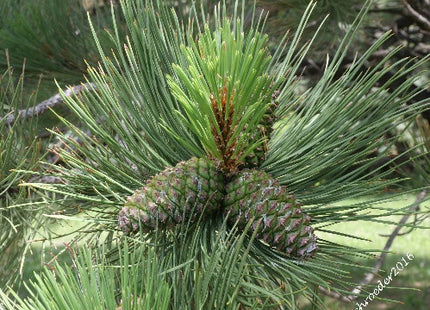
(415, 14)
(49, 103)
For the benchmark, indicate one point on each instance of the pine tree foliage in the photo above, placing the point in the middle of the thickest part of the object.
(92, 283)
(408, 20)
(285, 14)
(154, 106)
(19, 150)
(137, 277)
(341, 118)
(60, 51)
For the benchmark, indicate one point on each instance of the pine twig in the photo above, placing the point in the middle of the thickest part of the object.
(46, 179)
(49, 103)
(415, 14)
(368, 278)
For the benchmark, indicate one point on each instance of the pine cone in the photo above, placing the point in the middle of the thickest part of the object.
(173, 196)
(278, 218)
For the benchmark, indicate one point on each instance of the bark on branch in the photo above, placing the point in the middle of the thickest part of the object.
(415, 14)
(49, 103)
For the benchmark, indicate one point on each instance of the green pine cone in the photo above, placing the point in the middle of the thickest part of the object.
(174, 195)
(278, 219)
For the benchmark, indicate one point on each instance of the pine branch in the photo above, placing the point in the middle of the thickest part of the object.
(388, 10)
(416, 15)
(368, 278)
(46, 179)
(49, 103)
